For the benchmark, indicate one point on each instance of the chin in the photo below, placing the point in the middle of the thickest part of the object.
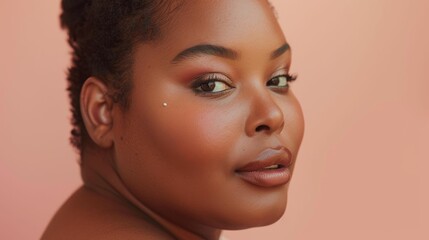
(255, 217)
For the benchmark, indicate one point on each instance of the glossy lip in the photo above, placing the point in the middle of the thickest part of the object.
(255, 172)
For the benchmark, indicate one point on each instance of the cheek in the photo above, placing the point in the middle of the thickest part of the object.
(189, 132)
(294, 123)
(195, 133)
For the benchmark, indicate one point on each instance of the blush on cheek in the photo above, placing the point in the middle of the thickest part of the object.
(197, 136)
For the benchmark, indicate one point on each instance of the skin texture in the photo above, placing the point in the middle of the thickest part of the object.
(169, 172)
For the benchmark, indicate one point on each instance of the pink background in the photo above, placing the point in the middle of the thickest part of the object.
(363, 85)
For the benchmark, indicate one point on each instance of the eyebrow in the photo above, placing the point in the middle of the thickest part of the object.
(214, 50)
(280, 51)
(205, 49)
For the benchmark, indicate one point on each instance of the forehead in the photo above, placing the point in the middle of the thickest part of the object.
(222, 22)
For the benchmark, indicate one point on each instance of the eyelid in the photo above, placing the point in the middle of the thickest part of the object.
(211, 77)
(279, 72)
(216, 76)
(284, 71)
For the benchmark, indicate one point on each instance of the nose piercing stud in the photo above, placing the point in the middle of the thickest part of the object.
(164, 104)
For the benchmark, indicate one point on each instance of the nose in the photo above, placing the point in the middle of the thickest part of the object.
(265, 115)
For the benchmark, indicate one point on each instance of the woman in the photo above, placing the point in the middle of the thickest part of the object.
(183, 117)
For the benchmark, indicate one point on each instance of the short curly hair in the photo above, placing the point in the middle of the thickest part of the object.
(102, 35)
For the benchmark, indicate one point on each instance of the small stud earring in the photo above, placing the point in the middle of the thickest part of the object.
(164, 104)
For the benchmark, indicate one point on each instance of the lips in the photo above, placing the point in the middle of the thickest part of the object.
(270, 168)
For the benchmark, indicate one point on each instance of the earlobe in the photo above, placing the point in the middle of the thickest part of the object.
(96, 108)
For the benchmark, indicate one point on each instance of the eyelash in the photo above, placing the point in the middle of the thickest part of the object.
(197, 85)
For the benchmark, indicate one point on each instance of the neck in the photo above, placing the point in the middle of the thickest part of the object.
(99, 174)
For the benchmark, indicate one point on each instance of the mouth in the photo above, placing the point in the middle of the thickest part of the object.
(270, 169)
(274, 166)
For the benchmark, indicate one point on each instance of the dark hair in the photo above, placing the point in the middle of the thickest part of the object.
(102, 35)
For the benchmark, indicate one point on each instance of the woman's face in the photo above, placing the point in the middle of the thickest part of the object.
(199, 115)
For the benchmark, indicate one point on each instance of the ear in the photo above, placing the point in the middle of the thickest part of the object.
(96, 109)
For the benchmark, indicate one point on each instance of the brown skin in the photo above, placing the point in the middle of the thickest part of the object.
(168, 172)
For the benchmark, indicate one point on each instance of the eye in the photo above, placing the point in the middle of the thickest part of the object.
(211, 84)
(281, 81)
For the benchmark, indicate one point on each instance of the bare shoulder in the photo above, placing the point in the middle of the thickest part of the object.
(87, 215)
